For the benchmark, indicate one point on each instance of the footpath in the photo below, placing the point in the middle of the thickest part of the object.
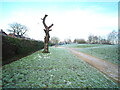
(109, 69)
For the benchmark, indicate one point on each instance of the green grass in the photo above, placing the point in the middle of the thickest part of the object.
(106, 52)
(58, 69)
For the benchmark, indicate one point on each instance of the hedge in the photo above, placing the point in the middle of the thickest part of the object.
(15, 48)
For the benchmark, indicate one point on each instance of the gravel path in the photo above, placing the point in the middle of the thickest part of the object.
(110, 69)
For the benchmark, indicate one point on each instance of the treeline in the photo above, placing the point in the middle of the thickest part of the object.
(97, 40)
(15, 48)
(111, 38)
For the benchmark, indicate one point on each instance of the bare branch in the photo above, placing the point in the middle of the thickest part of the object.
(44, 21)
(50, 30)
(44, 30)
(24, 32)
(50, 26)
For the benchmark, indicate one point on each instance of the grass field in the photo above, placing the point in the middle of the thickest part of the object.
(81, 45)
(106, 52)
(58, 69)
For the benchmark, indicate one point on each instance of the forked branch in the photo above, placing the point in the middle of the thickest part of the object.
(46, 27)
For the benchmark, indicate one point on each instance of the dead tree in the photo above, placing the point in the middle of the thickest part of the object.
(47, 36)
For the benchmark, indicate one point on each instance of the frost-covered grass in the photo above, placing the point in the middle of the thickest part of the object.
(82, 45)
(58, 69)
(106, 52)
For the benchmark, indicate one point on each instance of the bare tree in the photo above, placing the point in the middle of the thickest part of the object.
(18, 29)
(47, 36)
(113, 37)
(54, 40)
(90, 38)
(95, 39)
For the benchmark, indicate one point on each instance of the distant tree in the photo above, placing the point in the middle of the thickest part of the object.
(18, 29)
(113, 37)
(68, 41)
(75, 41)
(54, 40)
(95, 39)
(90, 38)
(99, 39)
(79, 41)
(104, 41)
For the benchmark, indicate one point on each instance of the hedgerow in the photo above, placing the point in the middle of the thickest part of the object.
(15, 47)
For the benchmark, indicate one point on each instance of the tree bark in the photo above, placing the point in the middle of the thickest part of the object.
(47, 36)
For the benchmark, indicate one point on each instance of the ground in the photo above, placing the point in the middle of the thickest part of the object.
(58, 69)
(110, 69)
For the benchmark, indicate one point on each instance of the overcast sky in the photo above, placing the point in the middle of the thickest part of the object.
(71, 19)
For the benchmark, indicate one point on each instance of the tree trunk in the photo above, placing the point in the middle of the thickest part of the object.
(46, 39)
(46, 42)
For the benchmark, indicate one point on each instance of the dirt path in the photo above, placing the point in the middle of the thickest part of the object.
(111, 70)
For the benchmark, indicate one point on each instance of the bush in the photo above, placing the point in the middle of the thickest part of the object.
(14, 47)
